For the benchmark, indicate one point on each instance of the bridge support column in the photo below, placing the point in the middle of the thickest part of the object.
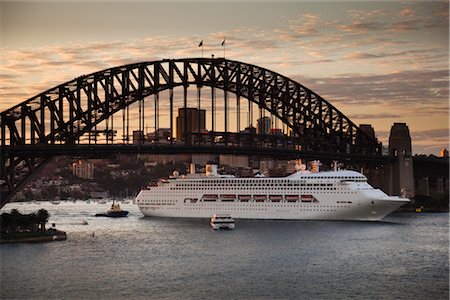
(171, 114)
(402, 169)
(156, 98)
(440, 185)
(423, 186)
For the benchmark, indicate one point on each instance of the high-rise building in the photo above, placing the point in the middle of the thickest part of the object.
(264, 125)
(190, 120)
(83, 169)
(138, 137)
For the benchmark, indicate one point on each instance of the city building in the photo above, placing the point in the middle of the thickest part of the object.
(249, 130)
(264, 125)
(83, 169)
(276, 131)
(235, 161)
(190, 120)
(138, 137)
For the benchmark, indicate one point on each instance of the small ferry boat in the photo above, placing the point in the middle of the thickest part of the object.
(222, 221)
(114, 212)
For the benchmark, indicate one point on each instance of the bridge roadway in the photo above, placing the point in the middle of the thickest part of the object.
(95, 150)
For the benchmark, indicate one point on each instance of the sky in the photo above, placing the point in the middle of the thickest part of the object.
(378, 62)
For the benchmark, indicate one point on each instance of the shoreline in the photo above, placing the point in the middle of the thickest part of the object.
(50, 235)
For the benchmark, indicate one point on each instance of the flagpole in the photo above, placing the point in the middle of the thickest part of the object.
(223, 44)
(201, 45)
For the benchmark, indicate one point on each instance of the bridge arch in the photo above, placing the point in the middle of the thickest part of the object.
(63, 114)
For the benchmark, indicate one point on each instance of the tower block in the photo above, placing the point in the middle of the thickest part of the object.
(402, 176)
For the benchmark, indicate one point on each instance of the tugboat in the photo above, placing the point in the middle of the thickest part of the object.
(222, 221)
(114, 212)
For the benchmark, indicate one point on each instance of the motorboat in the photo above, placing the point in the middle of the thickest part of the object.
(222, 221)
(114, 212)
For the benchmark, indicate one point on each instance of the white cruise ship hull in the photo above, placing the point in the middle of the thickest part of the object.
(340, 195)
(364, 211)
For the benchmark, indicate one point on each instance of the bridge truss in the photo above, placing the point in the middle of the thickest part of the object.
(81, 111)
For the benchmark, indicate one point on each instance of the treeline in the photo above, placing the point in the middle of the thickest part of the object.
(16, 222)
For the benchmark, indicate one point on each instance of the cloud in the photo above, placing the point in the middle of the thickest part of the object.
(359, 27)
(440, 134)
(421, 53)
(407, 11)
(8, 76)
(400, 88)
(362, 55)
(374, 116)
(305, 25)
(370, 34)
(430, 141)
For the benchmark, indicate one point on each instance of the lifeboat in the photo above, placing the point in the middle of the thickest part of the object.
(259, 198)
(210, 197)
(190, 200)
(291, 198)
(308, 198)
(228, 197)
(276, 198)
(244, 198)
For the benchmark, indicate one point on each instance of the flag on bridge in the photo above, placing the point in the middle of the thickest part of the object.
(223, 45)
(201, 43)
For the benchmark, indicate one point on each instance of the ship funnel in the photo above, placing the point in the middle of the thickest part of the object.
(335, 165)
(211, 170)
(192, 168)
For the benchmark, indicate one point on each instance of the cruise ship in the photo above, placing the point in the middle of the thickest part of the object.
(303, 195)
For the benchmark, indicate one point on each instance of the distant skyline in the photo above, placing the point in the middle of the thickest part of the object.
(377, 62)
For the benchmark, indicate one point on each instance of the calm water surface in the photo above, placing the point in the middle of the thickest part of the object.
(405, 257)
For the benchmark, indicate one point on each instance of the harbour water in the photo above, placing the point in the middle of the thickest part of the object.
(404, 257)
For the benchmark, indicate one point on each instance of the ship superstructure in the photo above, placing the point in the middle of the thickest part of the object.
(333, 195)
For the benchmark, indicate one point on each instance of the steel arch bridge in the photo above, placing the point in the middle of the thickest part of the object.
(64, 119)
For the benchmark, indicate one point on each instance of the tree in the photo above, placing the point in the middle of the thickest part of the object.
(42, 217)
(30, 222)
(15, 219)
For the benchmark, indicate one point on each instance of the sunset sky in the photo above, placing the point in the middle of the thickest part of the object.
(377, 62)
